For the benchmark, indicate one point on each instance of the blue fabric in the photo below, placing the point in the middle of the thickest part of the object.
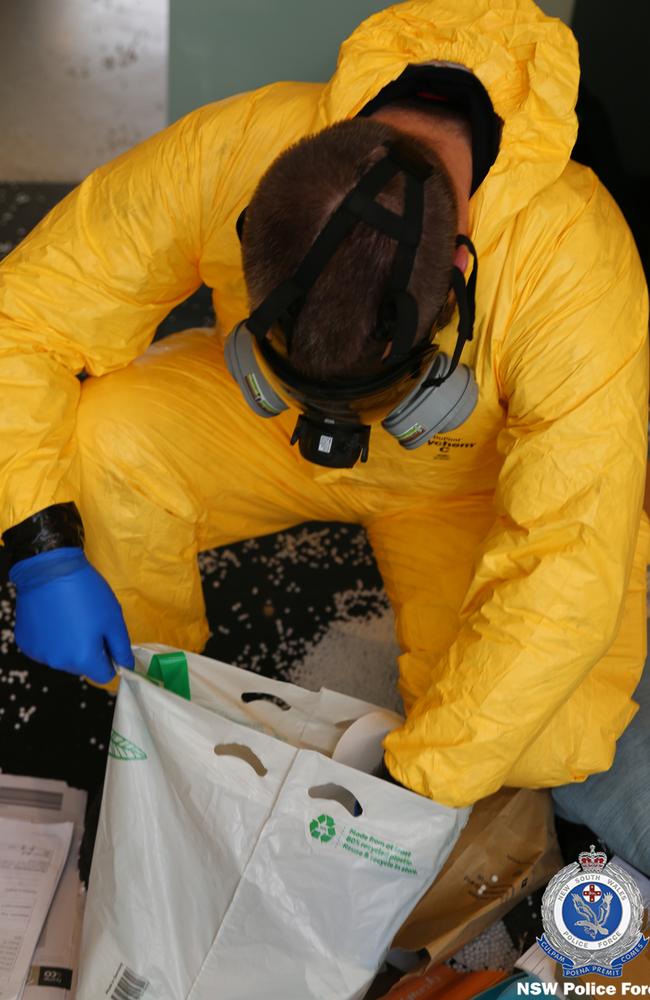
(67, 615)
(616, 803)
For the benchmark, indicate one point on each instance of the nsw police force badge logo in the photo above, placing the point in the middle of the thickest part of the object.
(592, 913)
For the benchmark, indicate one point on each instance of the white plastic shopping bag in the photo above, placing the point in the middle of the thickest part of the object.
(229, 864)
(311, 720)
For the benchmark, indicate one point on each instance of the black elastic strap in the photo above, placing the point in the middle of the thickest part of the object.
(406, 308)
(56, 527)
(464, 241)
(284, 302)
(404, 258)
(395, 226)
(349, 212)
(340, 223)
(399, 320)
(466, 299)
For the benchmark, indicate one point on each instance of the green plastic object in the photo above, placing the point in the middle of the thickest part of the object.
(170, 671)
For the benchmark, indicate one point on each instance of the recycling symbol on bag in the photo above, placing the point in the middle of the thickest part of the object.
(323, 828)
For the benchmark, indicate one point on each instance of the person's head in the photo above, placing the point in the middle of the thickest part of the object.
(336, 330)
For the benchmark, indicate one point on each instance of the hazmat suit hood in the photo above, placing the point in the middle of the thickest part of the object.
(527, 62)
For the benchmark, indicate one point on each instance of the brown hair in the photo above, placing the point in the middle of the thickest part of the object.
(293, 201)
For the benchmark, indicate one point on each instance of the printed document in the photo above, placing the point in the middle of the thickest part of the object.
(53, 971)
(32, 857)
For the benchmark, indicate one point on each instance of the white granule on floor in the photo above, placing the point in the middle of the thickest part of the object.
(493, 949)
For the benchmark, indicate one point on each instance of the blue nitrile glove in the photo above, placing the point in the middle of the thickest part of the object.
(67, 616)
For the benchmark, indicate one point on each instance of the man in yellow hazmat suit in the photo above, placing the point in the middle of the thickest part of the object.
(512, 546)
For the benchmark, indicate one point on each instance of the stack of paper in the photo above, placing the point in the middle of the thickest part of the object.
(41, 896)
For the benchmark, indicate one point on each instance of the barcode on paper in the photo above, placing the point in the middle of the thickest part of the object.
(129, 986)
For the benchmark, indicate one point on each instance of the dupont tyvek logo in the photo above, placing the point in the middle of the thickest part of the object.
(122, 749)
(323, 828)
(445, 443)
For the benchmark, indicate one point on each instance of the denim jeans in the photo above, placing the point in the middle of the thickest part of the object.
(616, 803)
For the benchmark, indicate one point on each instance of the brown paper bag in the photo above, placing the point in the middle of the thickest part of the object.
(507, 850)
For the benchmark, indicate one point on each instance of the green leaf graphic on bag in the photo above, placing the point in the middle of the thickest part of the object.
(323, 828)
(123, 749)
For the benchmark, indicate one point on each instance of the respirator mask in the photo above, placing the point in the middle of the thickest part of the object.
(419, 391)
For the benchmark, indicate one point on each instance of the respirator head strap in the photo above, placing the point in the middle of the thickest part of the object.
(464, 241)
(284, 302)
(399, 309)
(466, 299)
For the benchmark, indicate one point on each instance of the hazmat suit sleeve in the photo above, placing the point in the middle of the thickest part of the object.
(547, 594)
(86, 291)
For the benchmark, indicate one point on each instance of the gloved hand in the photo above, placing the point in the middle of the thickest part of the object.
(67, 616)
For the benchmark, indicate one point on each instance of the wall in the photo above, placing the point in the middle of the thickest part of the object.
(221, 47)
(80, 82)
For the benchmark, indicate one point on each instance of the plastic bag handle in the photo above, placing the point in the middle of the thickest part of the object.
(170, 670)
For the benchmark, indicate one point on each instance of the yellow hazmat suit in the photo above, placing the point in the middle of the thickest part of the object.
(510, 548)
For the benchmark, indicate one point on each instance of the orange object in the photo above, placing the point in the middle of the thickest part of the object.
(441, 982)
